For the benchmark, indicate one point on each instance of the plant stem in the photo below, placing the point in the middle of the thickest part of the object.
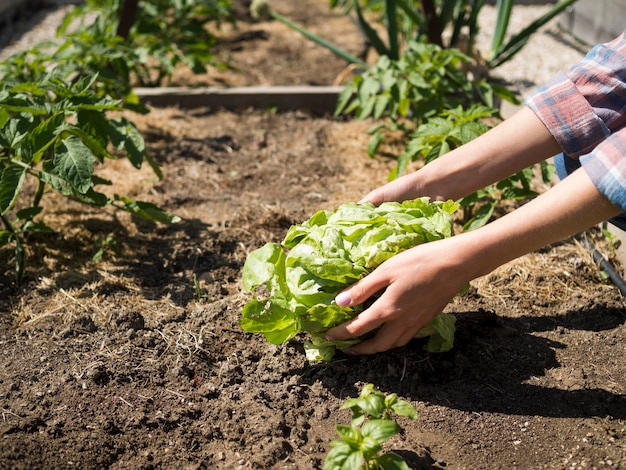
(433, 28)
(7, 223)
(41, 186)
(127, 18)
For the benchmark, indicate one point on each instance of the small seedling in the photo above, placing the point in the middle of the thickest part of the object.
(371, 425)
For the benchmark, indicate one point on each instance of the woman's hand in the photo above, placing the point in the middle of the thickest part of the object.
(418, 284)
(401, 189)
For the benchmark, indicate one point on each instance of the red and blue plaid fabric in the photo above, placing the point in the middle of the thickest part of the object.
(585, 110)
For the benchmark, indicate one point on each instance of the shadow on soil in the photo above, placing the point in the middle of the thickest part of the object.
(489, 369)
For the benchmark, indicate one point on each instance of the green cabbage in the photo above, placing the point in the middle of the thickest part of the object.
(327, 253)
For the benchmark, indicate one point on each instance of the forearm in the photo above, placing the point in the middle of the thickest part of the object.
(570, 207)
(513, 145)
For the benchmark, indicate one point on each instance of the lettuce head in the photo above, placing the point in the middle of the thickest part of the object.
(295, 282)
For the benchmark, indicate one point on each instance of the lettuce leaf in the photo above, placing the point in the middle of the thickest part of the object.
(330, 251)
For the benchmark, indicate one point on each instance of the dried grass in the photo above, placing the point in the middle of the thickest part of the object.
(544, 277)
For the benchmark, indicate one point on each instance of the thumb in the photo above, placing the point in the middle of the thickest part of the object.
(357, 294)
(362, 290)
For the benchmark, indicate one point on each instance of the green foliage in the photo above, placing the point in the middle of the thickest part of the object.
(453, 128)
(61, 103)
(371, 425)
(450, 129)
(425, 81)
(446, 23)
(56, 132)
(424, 84)
(165, 33)
(327, 253)
(503, 50)
(478, 207)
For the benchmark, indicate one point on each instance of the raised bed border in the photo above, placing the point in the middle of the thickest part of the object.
(315, 99)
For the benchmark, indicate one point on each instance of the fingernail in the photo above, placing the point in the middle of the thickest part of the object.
(329, 338)
(343, 299)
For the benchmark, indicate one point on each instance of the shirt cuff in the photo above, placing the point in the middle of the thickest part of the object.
(567, 115)
(606, 166)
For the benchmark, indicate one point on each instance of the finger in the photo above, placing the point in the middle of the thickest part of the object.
(363, 323)
(376, 196)
(388, 337)
(367, 320)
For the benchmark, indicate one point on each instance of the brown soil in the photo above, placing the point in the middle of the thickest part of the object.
(137, 360)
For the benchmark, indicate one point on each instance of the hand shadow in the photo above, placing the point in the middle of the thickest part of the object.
(491, 368)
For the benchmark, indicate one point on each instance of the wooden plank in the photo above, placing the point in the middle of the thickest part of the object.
(316, 99)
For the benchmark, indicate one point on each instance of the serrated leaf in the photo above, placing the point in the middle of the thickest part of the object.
(94, 123)
(148, 211)
(43, 136)
(11, 181)
(95, 146)
(74, 163)
(15, 130)
(125, 136)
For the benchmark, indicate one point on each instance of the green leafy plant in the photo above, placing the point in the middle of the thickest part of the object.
(325, 254)
(61, 104)
(361, 443)
(453, 128)
(446, 23)
(479, 207)
(152, 37)
(425, 83)
(55, 133)
(446, 131)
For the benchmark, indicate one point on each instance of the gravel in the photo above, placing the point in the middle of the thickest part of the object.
(548, 52)
(38, 27)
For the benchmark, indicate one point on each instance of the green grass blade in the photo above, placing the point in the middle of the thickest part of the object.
(371, 34)
(517, 42)
(409, 12)
(472, 23)
(504, 9)
(392, 29)
(319, 40)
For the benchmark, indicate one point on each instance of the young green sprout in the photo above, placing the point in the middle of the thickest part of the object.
(371, 425)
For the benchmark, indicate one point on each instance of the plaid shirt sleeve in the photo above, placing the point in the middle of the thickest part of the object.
(585, 110)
